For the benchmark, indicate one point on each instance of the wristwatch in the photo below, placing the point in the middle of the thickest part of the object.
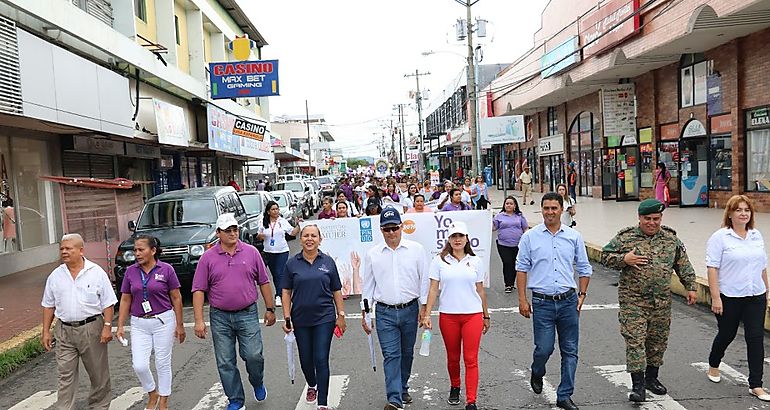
(341, 313)
(108, 324)
(582, 294)
(270, 309)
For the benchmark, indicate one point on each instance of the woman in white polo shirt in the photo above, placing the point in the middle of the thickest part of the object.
(737, 274)
(457, 278)
(272, 232)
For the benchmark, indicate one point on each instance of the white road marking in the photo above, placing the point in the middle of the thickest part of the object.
(337, 387)
(40, 400)
(127, 399)
(549, 392)
(213, 399)
(726, 370)
(515, 309)
(617, 375)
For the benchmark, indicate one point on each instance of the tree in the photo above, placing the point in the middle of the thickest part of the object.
(354, 163)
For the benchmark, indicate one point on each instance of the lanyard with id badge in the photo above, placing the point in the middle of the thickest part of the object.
(272, 232)
(146, 307)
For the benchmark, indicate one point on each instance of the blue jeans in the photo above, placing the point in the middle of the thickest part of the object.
(276, 262)
(313, 343)
(548, 318)
(243, 327)
(397, 332)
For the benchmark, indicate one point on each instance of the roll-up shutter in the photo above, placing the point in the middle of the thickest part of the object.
(82, 165)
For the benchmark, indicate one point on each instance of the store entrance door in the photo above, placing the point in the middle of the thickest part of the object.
(668, 154)
(609, 173)
(693, 166)
(628, 179)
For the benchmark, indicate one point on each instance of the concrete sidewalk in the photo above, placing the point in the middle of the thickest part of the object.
(20, 312)
(599, 221)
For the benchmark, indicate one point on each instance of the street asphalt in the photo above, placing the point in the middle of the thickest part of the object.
(504, 360)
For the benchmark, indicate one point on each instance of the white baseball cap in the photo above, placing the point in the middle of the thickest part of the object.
(458, 227)
(226, 220)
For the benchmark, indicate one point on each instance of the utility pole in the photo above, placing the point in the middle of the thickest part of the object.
(309, 144)
(392, 142)
(422, 165)
(403, 137)
(476, 152)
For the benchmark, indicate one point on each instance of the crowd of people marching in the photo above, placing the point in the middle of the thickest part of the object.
(400, 280)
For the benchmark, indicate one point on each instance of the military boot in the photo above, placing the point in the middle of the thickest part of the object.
(637, 388)
(651, 381)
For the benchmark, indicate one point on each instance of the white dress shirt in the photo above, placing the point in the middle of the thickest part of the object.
(396, 276)
(740, 262)
(457, 280)
(80, 298)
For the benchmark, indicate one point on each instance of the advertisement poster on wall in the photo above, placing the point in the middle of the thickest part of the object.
(619, 111)
(172, 128)
(501, 130)
(237, 135)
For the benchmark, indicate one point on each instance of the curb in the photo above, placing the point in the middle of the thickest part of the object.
(20, 339)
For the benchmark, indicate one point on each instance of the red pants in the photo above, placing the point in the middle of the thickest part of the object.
(465, 330)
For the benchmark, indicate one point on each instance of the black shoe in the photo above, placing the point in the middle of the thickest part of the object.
(406, 398)
(638, 394)
(471, 406)
(454, 396)
(393, 406)
(536, 383)
(567, 404)
(652, 383)
(509, 289)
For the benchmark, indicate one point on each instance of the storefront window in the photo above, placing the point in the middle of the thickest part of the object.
(7, 209)
(758, 164)
(36, 219)
(721, 163)
(207, 171)
(692, 76)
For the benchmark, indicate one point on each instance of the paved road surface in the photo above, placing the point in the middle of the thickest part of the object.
(504, 362)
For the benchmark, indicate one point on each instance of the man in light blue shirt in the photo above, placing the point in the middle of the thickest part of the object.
(544, 265)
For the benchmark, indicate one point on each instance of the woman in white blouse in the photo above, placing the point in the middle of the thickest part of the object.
(457, 278)
(737, 274)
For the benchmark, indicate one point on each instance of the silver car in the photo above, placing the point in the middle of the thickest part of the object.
(304, 194)
(287, 203)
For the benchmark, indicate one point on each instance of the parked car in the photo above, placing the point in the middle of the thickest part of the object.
(254, 203)
(290, 177)
(315, 189)
(287, 203)
(185, 223)
(302, 191)
(327, 185)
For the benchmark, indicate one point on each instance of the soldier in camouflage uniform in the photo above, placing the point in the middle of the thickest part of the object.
(646, 255)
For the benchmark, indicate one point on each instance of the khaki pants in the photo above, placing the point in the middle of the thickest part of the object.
(526, 190)
(73, 343)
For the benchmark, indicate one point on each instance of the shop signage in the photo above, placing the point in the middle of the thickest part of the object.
(714, 94)
(609, 25)
(722, 124)
(172, 128)
(551, 145)
(466, 150)
(694, 128)
(669, 132)
(244, 79)
(249, 129)
(628, 140)
(84, 143)
(142, 151)
(225, 137)
(758, 118)
(619, 111)
(501, 130)
(412, 156)
(564, 56)
(645, 135)
(450, 152)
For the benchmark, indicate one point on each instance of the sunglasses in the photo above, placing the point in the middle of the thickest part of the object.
(232, 229)
(391, 228)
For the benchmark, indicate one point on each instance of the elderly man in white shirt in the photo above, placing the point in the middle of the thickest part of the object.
(79, 294)
(396, 278)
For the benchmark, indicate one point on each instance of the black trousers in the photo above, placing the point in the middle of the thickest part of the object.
(482, 203)
(751, 311)
(508, 256)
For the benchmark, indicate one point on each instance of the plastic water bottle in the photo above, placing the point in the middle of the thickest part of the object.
(425, 346)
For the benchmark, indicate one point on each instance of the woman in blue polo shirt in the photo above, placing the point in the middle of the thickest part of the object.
(312, 302)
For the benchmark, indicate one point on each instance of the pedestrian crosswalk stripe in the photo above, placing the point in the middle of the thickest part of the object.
(617, 375)
(40, 400)
(127, 399)
(549, 392)
(725, 370)
(213, 399)
(337, 387)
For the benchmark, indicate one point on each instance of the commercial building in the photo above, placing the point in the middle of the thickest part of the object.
(617, 87)
(113, 89)
(308, 149)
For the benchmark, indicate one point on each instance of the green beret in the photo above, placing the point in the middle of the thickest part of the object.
(651, 206)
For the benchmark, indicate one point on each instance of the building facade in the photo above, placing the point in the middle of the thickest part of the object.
(617, 88)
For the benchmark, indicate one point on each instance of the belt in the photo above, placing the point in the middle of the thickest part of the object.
(80, 322)
(235, 311)
(560, 296)
(399, 306)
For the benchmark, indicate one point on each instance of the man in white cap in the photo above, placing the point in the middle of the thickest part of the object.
(229, 273)
(395, 276)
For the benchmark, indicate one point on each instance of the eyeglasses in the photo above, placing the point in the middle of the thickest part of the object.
(230, 230)
(390, 229)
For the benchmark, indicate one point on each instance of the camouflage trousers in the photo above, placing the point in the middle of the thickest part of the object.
(646, 332)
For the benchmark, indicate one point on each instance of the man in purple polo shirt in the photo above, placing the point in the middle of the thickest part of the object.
(230, 272)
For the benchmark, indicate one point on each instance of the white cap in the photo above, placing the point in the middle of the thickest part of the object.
(226, 220)
(458, 227)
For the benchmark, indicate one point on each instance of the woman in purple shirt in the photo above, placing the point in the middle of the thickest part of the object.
(510, 224)
(453, 201)
(151, 295)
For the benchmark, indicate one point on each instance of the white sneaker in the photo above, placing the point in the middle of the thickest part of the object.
(278, 301)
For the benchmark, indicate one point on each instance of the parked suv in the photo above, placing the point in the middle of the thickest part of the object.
(327, 185)
(302, 191)
(185, 223)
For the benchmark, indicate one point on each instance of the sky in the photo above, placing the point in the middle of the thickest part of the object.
(348, 58)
